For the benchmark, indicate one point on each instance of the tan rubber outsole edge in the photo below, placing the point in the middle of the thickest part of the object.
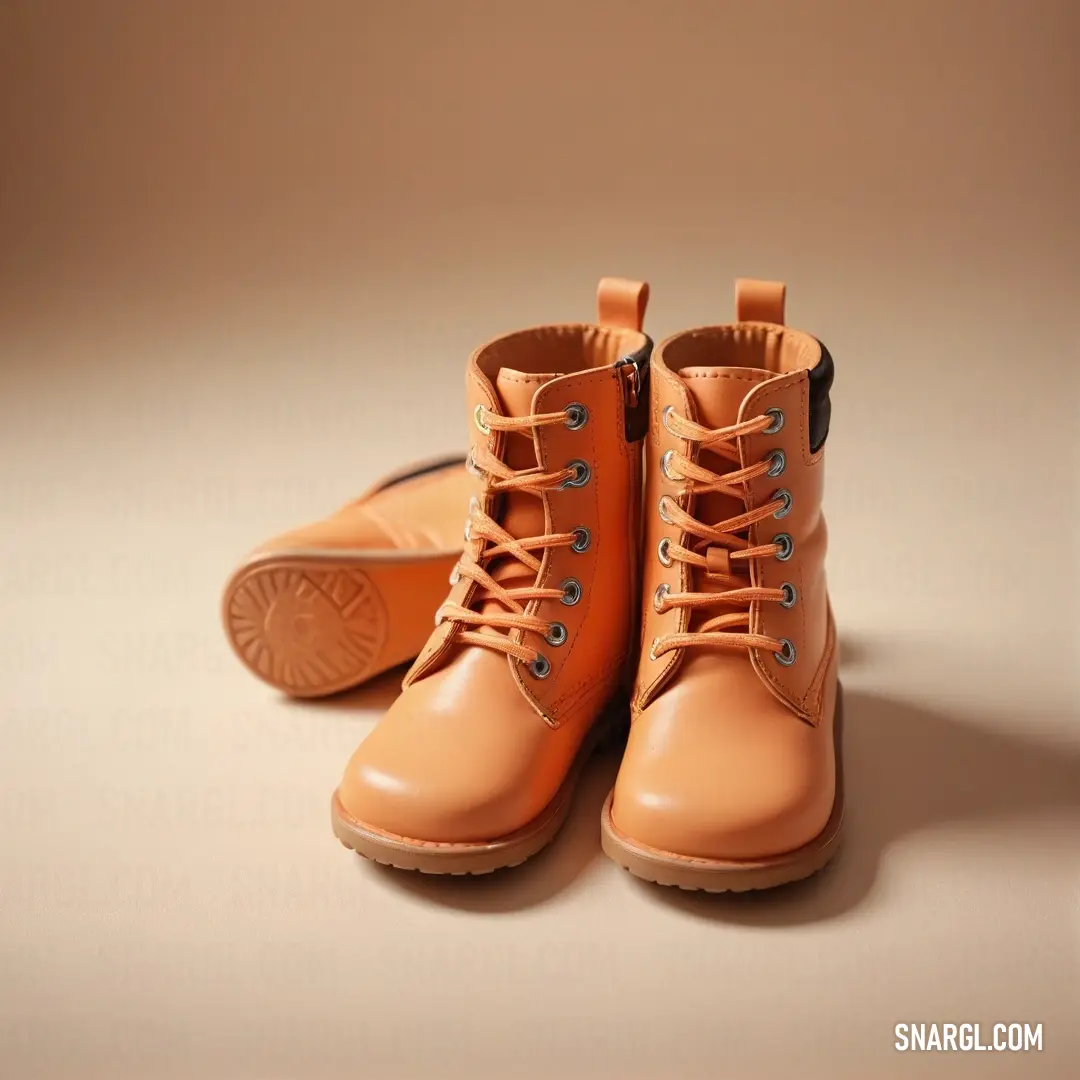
(351, 616)
(715, 875)
(482, 857)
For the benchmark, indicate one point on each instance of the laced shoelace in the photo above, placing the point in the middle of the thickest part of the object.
(498, 477)
(719, 631)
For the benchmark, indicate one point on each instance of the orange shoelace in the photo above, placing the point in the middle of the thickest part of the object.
(719, 631)
(498, 477)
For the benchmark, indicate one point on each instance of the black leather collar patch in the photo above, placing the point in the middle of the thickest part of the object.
(821, 380)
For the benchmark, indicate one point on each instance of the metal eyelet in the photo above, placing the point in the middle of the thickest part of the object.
(581, 475)
(468, 530)
(439, 617)
(540, 667)
(455, 576)
(665, 466)
(778, 464)
(471, 466)
(668, 410)
(577, 416)
(659, 596)
(652, 649)
(777, 422)
(661, 510)
(557, 634)
(571, 591)
(787, 657)
(662, 551)
(786, 545)
(790, 595)
(582, 539)
(785, 497)
(478, 419)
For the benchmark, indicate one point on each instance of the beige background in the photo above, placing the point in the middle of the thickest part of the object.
(245, 250)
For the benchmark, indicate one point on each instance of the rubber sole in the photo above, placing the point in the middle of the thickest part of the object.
(481, 857)
(718, 875)
(312, 624)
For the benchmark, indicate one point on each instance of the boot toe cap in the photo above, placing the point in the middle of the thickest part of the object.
(406, 800)
(755, 799)
(439, 769)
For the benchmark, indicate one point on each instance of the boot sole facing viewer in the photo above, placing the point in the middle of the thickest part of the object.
(326, 607)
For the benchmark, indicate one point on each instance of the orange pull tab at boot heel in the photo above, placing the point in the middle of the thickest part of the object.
(760, 301)
(621, 302)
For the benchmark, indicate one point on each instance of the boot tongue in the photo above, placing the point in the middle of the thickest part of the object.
(522, 514)
(516, 390)
(718, 393)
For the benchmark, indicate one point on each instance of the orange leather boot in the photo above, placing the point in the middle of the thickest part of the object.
(324, 607)
(731, 776)
(473, 767)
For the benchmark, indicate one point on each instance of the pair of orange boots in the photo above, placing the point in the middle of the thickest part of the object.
(663, 547)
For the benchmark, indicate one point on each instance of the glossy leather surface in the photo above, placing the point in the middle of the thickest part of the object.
(477, 745)
(718, 768)
(420, 509)
(462, 756)
(730, 753)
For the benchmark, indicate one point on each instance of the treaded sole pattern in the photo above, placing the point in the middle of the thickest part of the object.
(457, 860)
(308, 627)
(430, 873)
(662, 868)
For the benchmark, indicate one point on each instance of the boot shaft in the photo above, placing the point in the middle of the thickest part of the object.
(720, 377)
(595, 377)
